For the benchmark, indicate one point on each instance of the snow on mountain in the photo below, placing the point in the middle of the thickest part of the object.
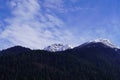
(105, 42)
(97, 42)
(57, 47)
(62, 47)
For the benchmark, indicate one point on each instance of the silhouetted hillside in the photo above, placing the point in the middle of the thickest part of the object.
(87, 62)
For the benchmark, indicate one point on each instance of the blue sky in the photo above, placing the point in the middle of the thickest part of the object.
(38, 23)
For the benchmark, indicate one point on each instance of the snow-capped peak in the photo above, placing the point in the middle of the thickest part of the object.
(57, 47)
(105, 42)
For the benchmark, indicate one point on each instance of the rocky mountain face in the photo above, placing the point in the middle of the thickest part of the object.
(57, 47)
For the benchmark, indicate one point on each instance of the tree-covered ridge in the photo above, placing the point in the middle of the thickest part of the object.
(81, 63)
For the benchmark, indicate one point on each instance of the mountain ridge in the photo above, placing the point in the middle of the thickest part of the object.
(62, 47)
(97, 62)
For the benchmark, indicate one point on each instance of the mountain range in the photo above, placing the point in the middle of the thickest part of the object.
(93, 60)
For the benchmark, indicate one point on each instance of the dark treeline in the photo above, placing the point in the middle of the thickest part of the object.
(80, 63)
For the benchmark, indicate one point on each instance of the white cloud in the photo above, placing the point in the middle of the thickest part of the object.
(62, 6)
(54, 3)
(1, 26)
(31, 28)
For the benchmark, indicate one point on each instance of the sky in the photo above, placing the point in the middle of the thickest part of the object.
(38, 23)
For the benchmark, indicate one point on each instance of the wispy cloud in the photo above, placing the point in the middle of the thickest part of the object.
(38, 23)
(62, 6)
(1, 26)
(31, 28)
(54, 4)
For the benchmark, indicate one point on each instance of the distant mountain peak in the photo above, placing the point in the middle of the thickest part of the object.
(106, 42)
(97, 43)
(57, 47)
(17, 49)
